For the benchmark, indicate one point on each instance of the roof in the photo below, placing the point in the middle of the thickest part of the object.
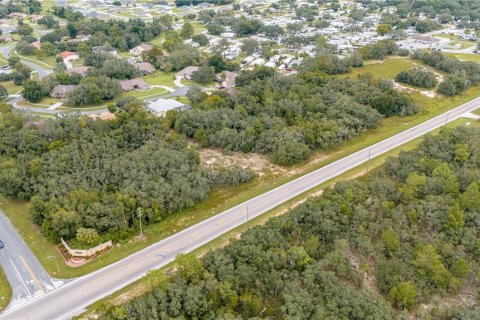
(144, 47)
(5, 36)
(188, 71)
(136, 83)
(144, 66)
(80, 70)
(164, 105)
(62, 89)
(66, 54)
(419, 37)
(103, 116)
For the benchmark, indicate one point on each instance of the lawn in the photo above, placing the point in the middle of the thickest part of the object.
(477, 112)
(16, 211)
(48, 62)
(160, 78)
(11, 87)
(387, 69)
(143, 94)
(157, 41)
(44, 103)
(466, 56)
(198, 27)
(5, 291)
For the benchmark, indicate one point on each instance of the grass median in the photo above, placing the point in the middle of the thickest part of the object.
(5, 291)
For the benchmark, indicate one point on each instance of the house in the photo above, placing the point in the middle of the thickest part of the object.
(425, 39)
(36, 45)
(81, 70)
(187, 73)
(162, 106)
(16, 15)
(134, 84)
(144, 67)
(6, 37)
(82, 37)
(103, 49)
(61, 91)
(68, 55)
(139, 50)
(227, 78)
(105, 116)
(35, 17)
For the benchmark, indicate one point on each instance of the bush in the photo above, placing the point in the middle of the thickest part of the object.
(88, 236)
(417, 77)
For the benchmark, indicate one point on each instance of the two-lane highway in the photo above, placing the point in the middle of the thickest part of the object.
(72, 298)
(27, 277)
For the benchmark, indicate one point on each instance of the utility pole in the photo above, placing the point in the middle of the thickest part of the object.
(139, 215)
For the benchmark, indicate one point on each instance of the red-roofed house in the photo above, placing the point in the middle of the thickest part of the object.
(68, 55)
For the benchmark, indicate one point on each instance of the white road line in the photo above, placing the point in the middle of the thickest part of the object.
(20, 277)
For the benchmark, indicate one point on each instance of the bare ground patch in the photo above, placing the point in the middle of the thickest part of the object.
(213, 158)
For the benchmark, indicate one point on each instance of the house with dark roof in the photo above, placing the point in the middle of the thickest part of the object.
(139, 50)
(144, 67)
(134, 84)
(187, 73)
(61, 91)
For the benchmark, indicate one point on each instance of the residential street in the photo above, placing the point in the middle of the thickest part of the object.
(42, 72)
(25, 274)
(72, 298)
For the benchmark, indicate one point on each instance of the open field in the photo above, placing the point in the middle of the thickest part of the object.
(386, 69)
(466, 56)
(11, 87)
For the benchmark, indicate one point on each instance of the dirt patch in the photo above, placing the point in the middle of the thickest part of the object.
(427, 93)
(369, 62)
(213, 158)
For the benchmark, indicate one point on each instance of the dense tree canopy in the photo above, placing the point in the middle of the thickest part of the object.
(80, 173)
(417, 77)
(366, 249)
(287, 117)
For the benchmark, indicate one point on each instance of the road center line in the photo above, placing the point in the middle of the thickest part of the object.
(32, 274)
(20, 277)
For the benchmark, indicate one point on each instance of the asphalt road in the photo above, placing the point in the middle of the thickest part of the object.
(42, 72)
(25, 274)
(72, 298)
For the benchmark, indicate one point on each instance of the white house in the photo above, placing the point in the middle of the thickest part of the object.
(162, 106)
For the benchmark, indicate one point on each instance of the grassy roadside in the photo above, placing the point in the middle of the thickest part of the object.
(5, 291)
(139, 287)
(221, 200)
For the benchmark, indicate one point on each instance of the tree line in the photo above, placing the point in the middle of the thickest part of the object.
(418, 77)
(81, 173)
(460, 74)
(286, 117)
(370, 248)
